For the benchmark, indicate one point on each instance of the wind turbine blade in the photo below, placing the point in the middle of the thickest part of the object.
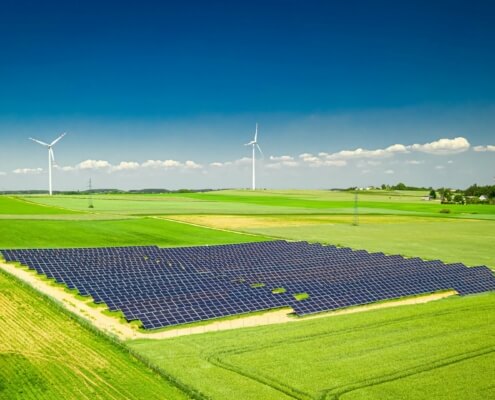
(39, 142)
(256, 133)
(259, 148)
(57, 139)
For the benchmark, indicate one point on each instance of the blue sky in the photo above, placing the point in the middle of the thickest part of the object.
(171, 83)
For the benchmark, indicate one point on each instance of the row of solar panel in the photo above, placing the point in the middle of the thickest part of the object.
(164, 287)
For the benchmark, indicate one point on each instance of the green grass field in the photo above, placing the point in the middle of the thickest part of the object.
(448, 239)
(18, 206)
(44, 354)
(127, 232)
(267, 202)
(441, 350)
(393, 222)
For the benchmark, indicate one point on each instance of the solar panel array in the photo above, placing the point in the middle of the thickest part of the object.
(170, 286)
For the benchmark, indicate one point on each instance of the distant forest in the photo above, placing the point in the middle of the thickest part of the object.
(109, 191)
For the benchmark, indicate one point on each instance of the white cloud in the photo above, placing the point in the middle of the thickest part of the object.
(241, 161)
(2, 173)
(66, 168)
(27, 171)
(439, 167)
(168, 164)
(171, 164)
(130, 165)
(281, 158)
(152, 164)
(309, 158)
(161, 164)
(414, 162)
(439, 147)
(364, 159)
(312, 160)
(305, 155)
(488, 147)
(321, 161)
(364, 153)
(367, 163)
(396, 148)
(450, 162)
(221, 164)
(283, 161)
(334, 163)
(126, 166)
(443, 146)
(338, 159)
(93, 164)
(281, 164)
(192, 165)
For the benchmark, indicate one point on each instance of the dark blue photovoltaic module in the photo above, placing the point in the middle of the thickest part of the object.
(171, 286)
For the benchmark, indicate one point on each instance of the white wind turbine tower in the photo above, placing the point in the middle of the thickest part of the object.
(51, 157)
(255, 145)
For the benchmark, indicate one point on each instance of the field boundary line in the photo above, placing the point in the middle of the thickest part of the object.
(210, 227)
(48, 206)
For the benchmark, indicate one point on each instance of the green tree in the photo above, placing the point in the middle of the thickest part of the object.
(459, 199)
(433, 194)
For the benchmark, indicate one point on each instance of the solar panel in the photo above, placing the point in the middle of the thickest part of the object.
(171, 286)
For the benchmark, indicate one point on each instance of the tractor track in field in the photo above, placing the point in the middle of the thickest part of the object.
(337, 392)
(218, 359)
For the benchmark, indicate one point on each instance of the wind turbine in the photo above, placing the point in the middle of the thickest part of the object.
(255, 145)
(51, 157)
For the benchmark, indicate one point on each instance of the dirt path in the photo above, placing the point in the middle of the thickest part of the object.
(94, 315)
(123, 331)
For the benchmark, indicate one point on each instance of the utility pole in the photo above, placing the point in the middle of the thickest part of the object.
(356, 210)
(90, 198)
